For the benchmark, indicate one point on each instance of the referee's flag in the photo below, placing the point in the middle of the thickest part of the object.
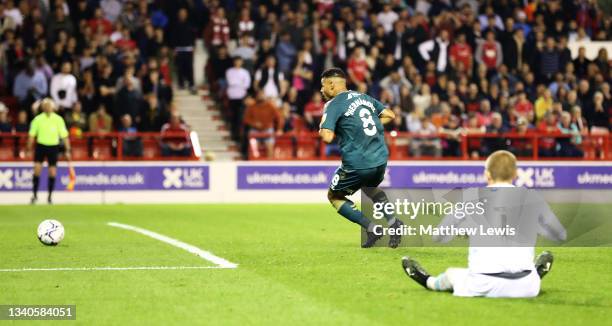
(72, 178)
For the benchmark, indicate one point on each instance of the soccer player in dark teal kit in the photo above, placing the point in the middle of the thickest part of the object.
(356, 120)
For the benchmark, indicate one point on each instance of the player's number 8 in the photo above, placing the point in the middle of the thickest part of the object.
(369, 127)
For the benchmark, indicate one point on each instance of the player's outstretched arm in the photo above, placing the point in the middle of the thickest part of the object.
(326, 135)
(386, 116)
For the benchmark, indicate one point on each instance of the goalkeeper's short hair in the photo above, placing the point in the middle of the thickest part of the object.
(501, 165)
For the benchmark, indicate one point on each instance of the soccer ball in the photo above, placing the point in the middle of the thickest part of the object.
(50, 232)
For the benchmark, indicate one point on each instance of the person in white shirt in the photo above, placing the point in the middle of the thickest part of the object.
(502, 266)
(387, 18)
(272, 81)
(436, 50)
(238, 83)
(64, 87)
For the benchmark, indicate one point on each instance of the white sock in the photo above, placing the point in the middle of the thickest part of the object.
(439, 283)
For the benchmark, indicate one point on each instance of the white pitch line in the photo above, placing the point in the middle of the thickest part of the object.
(104, 268)
(179, 244)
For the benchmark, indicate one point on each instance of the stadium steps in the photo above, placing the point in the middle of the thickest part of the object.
(199, 113)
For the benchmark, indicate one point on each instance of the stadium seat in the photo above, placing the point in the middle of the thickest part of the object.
(150, 148)
(80, 150)
(283, 148)
(307, 149)
(102, 149)
(7, 149)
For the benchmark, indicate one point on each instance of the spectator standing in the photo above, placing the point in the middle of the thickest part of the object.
(387, 17)
(357, 68)
(313, 111)
(549, 60)
(238, 83)
(183, 37)
(461, 57)
(29, 86)
(285, 53)
(270, 80)
(64, 88)
(128, 101)
(489, 53)
(220, 28)
(436, 50)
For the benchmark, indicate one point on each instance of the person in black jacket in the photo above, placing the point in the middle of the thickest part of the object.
(184, 37)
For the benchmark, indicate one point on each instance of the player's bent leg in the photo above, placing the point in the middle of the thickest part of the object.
(379, 196)
(347, 209)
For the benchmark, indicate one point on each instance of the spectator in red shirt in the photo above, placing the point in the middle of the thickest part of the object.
(523, 106)
(473, 128)
(313, 111)
(99, 22)
(125, 42)
(461, 57)
(358, 67)
(175, 137)
(522, 147)
(472, 102)
(485, 115)
(548, 145)
(489, 53)
(220, 28)
(263, 117)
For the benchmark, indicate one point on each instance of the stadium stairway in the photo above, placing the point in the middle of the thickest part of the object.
(200, 113)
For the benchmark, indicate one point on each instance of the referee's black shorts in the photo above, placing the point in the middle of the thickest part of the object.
(49, 152)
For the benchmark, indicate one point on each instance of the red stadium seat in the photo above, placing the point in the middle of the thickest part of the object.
(7, 149)
(283, 148)
(102, 149)
(80, 152)
(150, 148)
(307, 149)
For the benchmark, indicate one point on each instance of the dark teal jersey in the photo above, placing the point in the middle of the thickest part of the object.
(354, 118)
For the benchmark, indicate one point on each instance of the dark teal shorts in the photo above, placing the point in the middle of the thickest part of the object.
(349, 181)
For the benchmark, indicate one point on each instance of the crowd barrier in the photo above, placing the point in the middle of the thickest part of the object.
(306, 145)
(110, 146)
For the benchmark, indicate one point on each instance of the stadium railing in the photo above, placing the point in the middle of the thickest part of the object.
(112, 146)
(306, 145)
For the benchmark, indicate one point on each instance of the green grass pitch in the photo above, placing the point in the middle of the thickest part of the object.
(298, 264)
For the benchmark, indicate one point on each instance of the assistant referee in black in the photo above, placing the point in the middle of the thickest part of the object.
(47, 129)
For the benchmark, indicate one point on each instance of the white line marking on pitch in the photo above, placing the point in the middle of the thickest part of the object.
(106, 268)
(220, 262)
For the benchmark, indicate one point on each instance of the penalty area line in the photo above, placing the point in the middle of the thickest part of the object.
(206, 255)
(105, 268)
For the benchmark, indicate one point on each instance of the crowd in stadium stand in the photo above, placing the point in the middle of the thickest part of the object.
(107, 64)
(445, 67)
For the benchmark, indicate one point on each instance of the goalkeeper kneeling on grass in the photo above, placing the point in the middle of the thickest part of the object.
(499, 271)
